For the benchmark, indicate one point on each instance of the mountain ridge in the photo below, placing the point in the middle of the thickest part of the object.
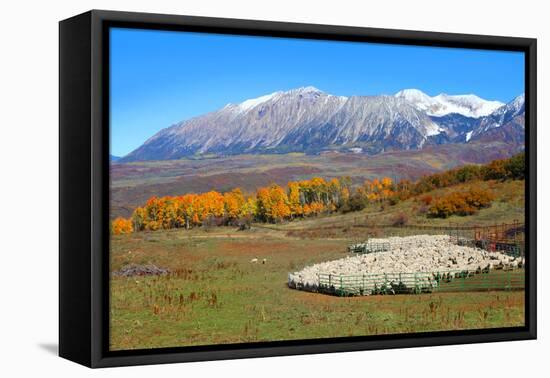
(468, 105)
(307, 119)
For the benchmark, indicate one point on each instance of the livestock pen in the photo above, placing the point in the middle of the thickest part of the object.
(504, 242)
(416, 283)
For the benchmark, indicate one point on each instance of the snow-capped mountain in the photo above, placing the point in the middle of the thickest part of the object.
(457, 128)
(443, 104)
(508, 121)
(503, 115)
(309, 120)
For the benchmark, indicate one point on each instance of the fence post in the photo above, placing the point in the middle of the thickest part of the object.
(400, 283)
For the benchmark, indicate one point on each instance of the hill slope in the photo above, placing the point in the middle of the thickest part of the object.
(508, 207)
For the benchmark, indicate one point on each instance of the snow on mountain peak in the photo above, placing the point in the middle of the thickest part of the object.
(418, 98)
(518, 102)
(253, 102)
(521, 98)
(308, 89)
(309, 120)
(412, 94)
(468, 105)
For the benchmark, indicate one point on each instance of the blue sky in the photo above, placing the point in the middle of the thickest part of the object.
(159, 78)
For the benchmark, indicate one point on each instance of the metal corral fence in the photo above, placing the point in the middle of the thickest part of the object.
(508, 238)
(498, 231)
(514, 249)
(421, 282)
(509, 248)
(369, 247)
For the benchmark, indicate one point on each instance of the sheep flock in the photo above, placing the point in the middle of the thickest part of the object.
(422, 261)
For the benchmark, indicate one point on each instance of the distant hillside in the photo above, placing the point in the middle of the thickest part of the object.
(132, 184)
(312, 121)
(325, 196)
(508, 207)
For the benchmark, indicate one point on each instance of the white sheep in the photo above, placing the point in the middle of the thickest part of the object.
(424, 253)
(254, 260)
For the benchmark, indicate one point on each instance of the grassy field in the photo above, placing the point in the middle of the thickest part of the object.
(216, 295)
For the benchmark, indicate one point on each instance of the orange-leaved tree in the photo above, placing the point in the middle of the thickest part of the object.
(121, 226)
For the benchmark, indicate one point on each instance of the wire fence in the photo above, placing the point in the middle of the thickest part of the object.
(421, 282)
(369, 247)
(509, 248)
(505, 238)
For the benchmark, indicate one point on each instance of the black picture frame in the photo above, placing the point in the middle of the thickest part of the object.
(84, 187)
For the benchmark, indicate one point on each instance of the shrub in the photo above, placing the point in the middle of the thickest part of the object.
(355, 203)
(506, 169)
(121, 226)
(495, 170)
(503, 169)
(400, 219)
(393, 200)
(515, 167)
(423, 209)
(426, 199)
(461, 203)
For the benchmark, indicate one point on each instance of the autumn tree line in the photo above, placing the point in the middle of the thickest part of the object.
(306, 198)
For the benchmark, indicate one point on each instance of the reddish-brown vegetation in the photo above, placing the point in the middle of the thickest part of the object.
(461, 203)
(306, 198)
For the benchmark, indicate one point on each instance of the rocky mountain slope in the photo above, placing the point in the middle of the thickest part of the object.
(443, 104)
(309, 120)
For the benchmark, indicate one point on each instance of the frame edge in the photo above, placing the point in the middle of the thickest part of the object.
(75, 334)
(96, 355)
